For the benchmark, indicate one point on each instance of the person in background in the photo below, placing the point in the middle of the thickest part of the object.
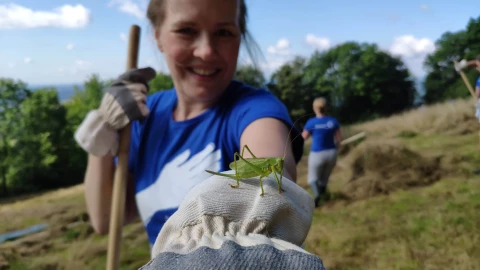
(472, 63)
(326, 138)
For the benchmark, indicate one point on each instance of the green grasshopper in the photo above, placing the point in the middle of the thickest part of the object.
(251, 167)
(261, 167)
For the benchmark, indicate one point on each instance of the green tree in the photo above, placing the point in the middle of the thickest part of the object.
(250, 75)
(43, 143)
(81, 102)
(360, 81)
(442, 81)
(12, 94)
(287, 83)
(161, 82)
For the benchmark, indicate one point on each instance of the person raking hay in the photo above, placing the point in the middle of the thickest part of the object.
(179, 133)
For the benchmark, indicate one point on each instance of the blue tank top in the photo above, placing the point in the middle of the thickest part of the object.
(323, 132)
(167, 158)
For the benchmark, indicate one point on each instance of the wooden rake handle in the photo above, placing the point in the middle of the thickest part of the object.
(121, 172)
(467, 83)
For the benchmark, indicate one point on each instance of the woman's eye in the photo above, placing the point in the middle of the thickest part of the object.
(187, 31)
(224, 32)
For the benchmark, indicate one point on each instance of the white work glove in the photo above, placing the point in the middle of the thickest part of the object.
(124, 101)
(461, 65)
(220, 227)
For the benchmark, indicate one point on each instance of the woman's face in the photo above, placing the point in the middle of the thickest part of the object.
(200, 40)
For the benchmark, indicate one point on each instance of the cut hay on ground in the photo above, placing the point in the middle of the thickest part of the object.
(453, 117)
(381, 167)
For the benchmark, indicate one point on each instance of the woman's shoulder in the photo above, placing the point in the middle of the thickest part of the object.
(243, 93)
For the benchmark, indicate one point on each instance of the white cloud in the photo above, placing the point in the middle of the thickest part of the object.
(27, 60)
(413, 52)
(70, 46)
(123, 37)
(409, 46)
(272, 65)
(279, 54)
(13, 16)
(318, 43)
(424, 7)
(130, 7)
(281, 48)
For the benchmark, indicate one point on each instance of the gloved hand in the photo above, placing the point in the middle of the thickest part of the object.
(220, 227)
(124, 101)
(461, 65)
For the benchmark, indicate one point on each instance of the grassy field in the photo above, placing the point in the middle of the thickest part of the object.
(404, 198)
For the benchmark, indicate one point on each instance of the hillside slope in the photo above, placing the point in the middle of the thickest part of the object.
(405, 198)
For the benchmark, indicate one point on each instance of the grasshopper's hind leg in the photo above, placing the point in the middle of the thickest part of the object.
(280, 189)
(248, 149)
(261, 186)
(236, 172)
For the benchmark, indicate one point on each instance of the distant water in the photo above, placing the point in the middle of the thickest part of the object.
(65, 91)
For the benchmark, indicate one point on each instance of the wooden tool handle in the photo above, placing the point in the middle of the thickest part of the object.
(121, 172)
(467, 83)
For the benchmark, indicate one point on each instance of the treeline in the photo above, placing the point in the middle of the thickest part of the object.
(361, 82)
(442, 81)
(37, 147)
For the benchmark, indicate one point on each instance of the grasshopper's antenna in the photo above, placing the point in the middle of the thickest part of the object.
(288, 137)
(301, 134)
(286, 143)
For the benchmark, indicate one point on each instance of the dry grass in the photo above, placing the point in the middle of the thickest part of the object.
(453, 117)
(430, 228)
(383, 167)
(413, 204)
(69, 241)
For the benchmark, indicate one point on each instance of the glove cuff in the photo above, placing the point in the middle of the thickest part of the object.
(232, 256)
(95, 136)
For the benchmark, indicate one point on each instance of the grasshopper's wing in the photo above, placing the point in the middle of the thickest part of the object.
(245, 170)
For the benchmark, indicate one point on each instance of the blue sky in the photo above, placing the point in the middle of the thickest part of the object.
(56, 42)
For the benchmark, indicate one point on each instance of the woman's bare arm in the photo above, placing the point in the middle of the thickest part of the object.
(305, 134)
(338, 138)
(267, 137)
(98, 193)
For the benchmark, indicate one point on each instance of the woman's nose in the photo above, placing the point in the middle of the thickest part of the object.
(204, 48)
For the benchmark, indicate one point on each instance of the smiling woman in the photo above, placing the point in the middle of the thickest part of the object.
(198, 125)
(201, 46)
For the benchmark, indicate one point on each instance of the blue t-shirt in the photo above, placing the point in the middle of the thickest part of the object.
(167, 158)
(323, 132)
(478, 82)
